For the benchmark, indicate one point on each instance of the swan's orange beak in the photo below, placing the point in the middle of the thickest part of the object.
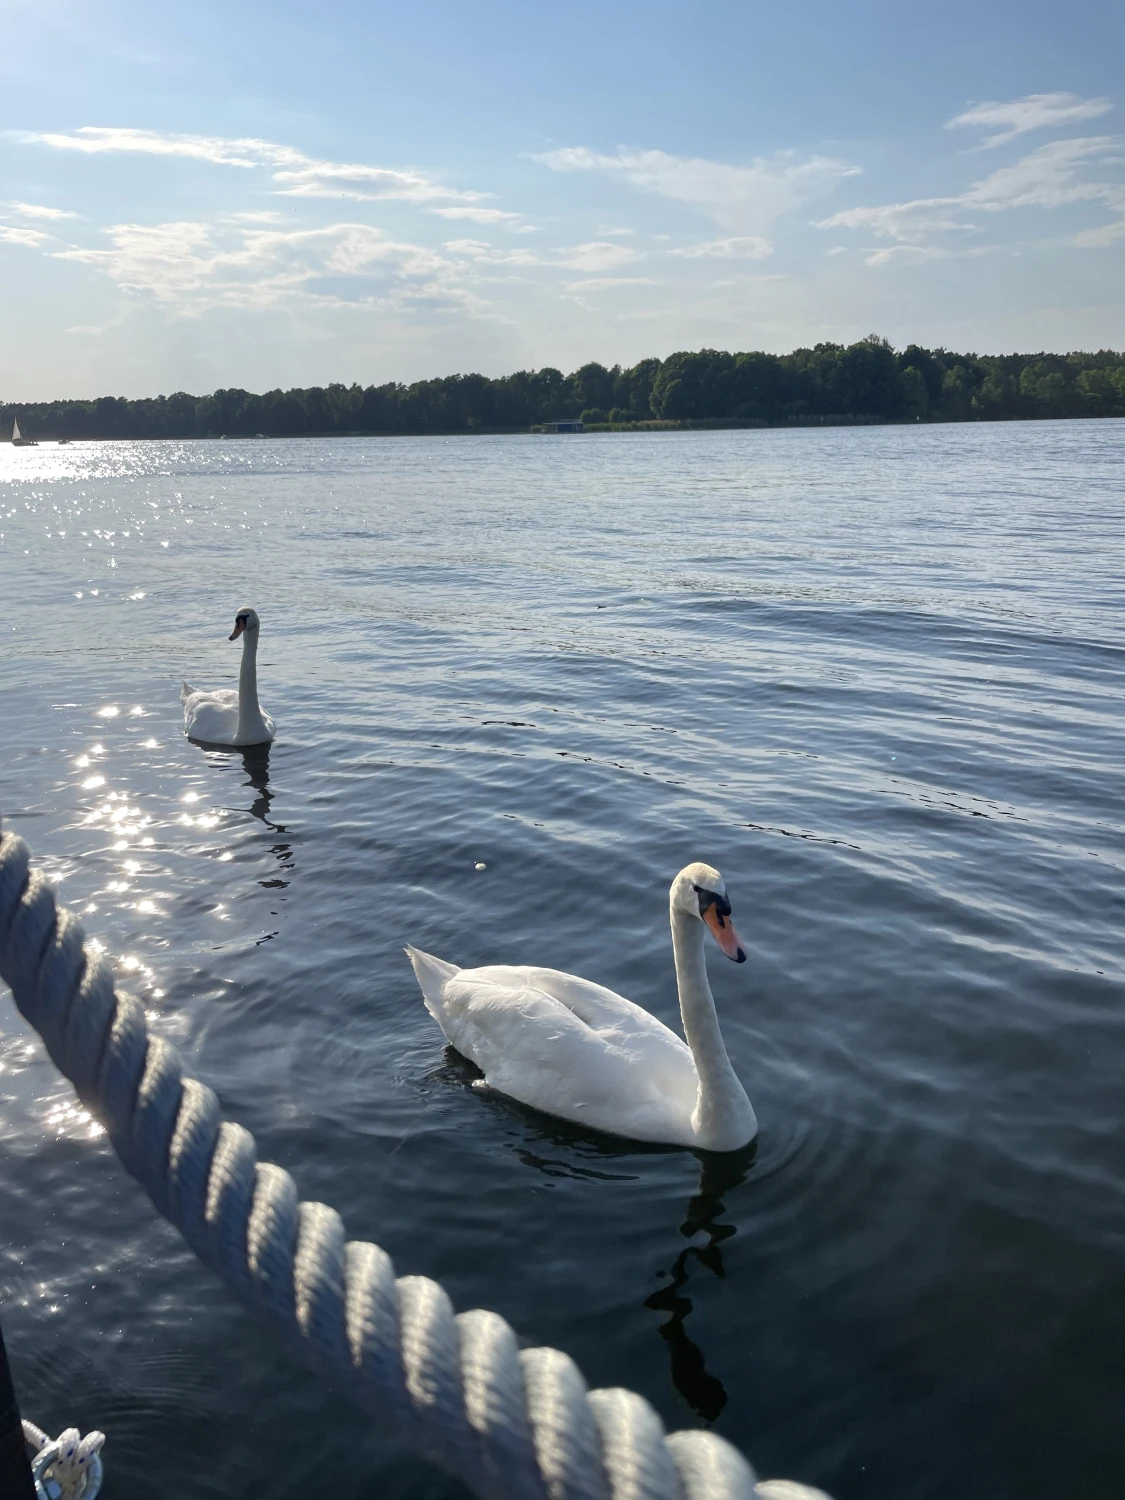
(725, 935)
(239, 627)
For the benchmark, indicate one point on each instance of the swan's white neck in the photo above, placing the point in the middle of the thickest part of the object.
(251, 726)
(723, 1118)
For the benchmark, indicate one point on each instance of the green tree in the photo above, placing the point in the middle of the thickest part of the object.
(1047, 392)
(592, 385)
(1102, 391)
(928, 363)
(997, 397)
(865, 379)
(955, 395)
(914, 398)
(632, 389)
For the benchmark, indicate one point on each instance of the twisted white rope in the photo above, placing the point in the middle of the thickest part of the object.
(513, 1424)
(67, 1468)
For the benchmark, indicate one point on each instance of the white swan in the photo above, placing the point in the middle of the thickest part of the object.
(226, 717)
(571, 1048)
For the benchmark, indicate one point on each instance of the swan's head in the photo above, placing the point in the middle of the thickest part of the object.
(245, 619)
(698, 891)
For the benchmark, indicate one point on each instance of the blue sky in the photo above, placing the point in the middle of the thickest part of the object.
(241, 194)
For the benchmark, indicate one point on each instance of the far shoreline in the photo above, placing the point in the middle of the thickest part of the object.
(598, 429)
(868, 383)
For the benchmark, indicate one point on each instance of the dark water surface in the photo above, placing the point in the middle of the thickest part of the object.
(873, 675)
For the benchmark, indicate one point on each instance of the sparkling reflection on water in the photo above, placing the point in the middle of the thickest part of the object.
(873, 675)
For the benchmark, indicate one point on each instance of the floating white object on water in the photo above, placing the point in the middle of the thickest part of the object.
(480, 867)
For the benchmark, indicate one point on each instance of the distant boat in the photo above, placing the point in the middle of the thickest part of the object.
(63, 440)
(21, 442)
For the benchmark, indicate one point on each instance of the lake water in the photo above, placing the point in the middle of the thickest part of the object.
(874, 675)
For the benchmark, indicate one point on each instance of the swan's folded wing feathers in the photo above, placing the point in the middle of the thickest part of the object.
(595, 1004)
(533, 1046)
(224, 698)
(211, 716)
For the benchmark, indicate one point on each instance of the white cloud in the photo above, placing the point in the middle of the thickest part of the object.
(39, 211)
(169, 261)
(190, 267)
(166, 259)
(98, 138)
(907, 222)
(1107, 234)
(341, 250)
(295, 174)
(918, 254)
(745, 199)
(479, 251)
(914, 254)
(597, 255)
(32, 238)
(326, 179)
(604, 283)
(478, 215)
(1033, 112)
(1048, 177)
(744, 247)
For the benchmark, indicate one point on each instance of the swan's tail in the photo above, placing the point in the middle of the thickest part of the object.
(432, 974)
(186, 691)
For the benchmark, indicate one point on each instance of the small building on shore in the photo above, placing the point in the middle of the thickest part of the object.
(574, 426)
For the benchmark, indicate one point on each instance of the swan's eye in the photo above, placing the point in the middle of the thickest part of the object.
(708, 899)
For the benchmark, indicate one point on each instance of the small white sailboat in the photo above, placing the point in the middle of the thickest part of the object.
(21, 442)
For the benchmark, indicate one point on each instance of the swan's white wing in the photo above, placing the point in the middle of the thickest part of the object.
(212, 716)
(573, 1049)
(590, 1002)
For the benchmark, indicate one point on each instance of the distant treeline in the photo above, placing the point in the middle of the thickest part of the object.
(863, 382)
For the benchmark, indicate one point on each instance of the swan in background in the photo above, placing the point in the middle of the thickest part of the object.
(226, 717)
(573, 1049)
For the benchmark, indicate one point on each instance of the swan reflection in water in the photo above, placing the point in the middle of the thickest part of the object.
(718, 1175)
(256, 764)
(703, 1391)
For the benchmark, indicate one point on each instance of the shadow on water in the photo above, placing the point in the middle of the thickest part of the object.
(256, 764)
(702, 1391)
(718, 1175)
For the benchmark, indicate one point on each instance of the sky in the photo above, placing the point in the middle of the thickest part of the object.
(241, 194)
